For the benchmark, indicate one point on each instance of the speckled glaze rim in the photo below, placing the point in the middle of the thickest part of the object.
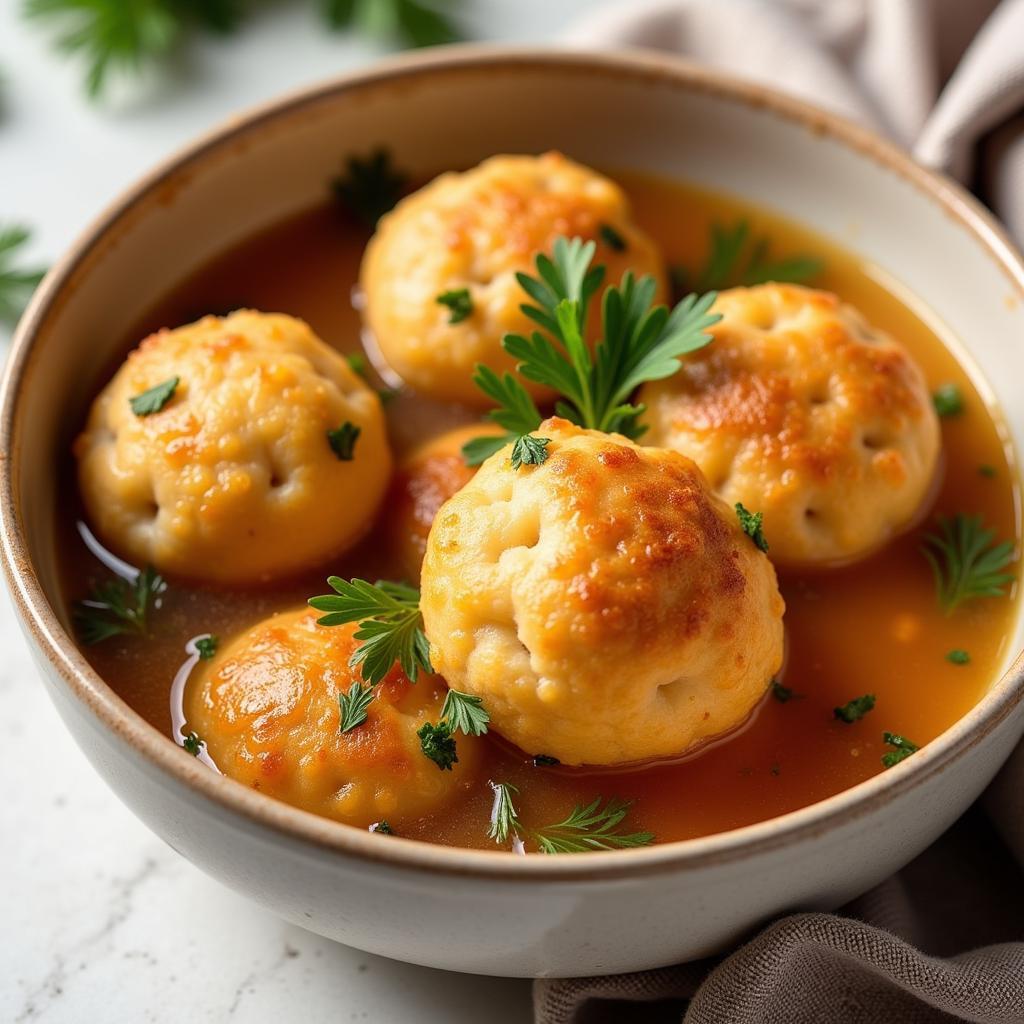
(336, 839)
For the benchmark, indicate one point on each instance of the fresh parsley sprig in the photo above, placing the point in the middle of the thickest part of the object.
(16, 285)
(736, 257)
(751, 523)
(117, 607)
(586, 828)
(354, 705)
(465, 713)
(390, 625)
(369, 187)
(966, 561)
(639, 342)
(408, 21)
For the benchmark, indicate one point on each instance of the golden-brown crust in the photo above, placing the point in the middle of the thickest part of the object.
(800, 410)
(234, 480)
(267, 708)
(476, 230)
(424, 480)
(605, 605)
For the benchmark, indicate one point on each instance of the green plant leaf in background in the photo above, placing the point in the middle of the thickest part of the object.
(16, 284)
(125, 35)
(408, 21)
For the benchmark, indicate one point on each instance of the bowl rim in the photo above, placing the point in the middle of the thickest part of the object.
(253, 809)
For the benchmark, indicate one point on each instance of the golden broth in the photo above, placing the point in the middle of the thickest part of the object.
(874, 627)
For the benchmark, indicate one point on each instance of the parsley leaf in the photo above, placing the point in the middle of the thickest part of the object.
(193, 744)
(390, 625)
(357, 363)
(612, 238)
(16, 286)
(855, 709)
(382, 827)
(459, 303)
(966, 562)
(903, 748)
(353, 705)
(206, 646)
(750, 524)
(529, 451)
(948, 401)
(370, 186)
(735, 257)
(117, 608)
(153, 399)
(586, 828)
(437, 743)
(783, 694)
(639, 342)
(958, 657)
(516, 412)
(465, 713)
(343, 440)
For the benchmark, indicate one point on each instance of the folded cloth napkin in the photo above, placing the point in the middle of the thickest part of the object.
(945, 78)
(943, 940)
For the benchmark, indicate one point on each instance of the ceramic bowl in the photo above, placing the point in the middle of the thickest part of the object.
(490, 912)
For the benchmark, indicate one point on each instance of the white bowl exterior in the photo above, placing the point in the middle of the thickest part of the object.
(451, 117)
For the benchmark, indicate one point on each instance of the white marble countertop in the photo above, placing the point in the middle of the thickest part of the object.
(101, 921)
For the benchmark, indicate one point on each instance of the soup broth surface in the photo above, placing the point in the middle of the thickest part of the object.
(873, 627)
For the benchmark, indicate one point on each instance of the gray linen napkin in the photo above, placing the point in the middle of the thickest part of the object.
(943, 940)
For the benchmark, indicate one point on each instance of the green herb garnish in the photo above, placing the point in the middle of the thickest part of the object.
(783, 694)
(854, 710)
(206, 647)
(390, 625)
(343, 440)
(353, 705)
(357, 363)
(948, 401)
(903, 748)
(408, 21)
(736, 258)
(751, 525)
(437, 743)
(117, 608)
(382, 827)
(462, 712)
(370, 186)
(989, 472)
(529, 451)
(155, 398)
(193, 744)
(638, 343)
(459, 303)
(966, 561)
(958, 656)
(16, 286)
(612, 238)
(586, 828)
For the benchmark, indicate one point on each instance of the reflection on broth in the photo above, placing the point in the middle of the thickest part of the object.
(277, 704)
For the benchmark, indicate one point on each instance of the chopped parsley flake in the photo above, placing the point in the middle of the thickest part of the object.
(437, 743)
(343, 440)
(206, 647)
(529, 451)
(459, 303)
(353, 705)
(612, 238)
(750, 524)
(382, 827)
(193, 744)
(958, 656)
(948, 401)
(155, 398)
(854, 710)
(902, 748)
